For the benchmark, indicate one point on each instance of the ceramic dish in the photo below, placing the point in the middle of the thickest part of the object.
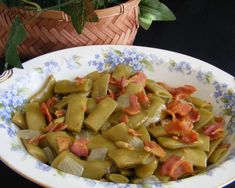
(176, 69)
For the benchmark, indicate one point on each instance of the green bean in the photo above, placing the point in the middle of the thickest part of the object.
(117, 178)
(206, 143)
(100, 86)
(217, 154)
(157, 89)
(75, 113)
(100, 114)
(105, 126)
(34, 117)
(157, 131)
(205, 117)
(66, 86)
(52, 139)
(199, 103)
(145, 134)
(154, 110)
(36, 151)
(164, 179)
(93, 76)
(213, 145)
(91, 105)
(133, 88)
(19, 119)
(171, 143)
(195, 156)
(126, 172)
(118, 132)
(136, 180)
(46, 91)
(124, 158)
(121, 71)
(136, 120)
(59, 120)
(146, 170)
(99, 141)
(114, 118)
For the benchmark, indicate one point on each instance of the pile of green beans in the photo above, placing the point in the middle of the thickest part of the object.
(90, 112)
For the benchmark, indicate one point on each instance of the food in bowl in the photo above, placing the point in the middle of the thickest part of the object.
(121, 127)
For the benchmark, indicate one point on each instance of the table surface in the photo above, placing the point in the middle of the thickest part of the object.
(204, 29)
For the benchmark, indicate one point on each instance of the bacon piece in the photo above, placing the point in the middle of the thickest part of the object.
(51, 102)
(124, 118)
(134, 132)
(183, 129)
(193, 115)
(63, 142)
(80, 148)
(143, 99)
(45, 111)
(178, 93)
(175, 167)
(111, 94)
(134, 107)
(78, 80)
(215, 130)
(178, 109)
(154, 148)
(55, 127)
(59, 113)
(139, 78)
(37, 139)
(124, 82)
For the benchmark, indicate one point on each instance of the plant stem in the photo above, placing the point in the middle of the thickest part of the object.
(33, 4)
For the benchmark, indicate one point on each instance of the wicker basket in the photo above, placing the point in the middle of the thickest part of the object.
(53, 30)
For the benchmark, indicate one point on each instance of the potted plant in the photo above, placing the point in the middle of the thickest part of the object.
(33, 27)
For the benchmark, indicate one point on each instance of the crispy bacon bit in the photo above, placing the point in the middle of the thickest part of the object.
(55, 127)
(51, 102)
(36, 139)
(139, 78)
(113, 81)
(78, 80)
(178, 108)
(111, 94)
(183, 129)
(45, 111)
(193, 115)
(143, 99)
(133, 132)
(80, 148)
(59, 113)
(154, 148)
(124, 82)
(124, 118)
(63, 142)
(215, 130)
(178, 93)
(134, 107)
(175, 167)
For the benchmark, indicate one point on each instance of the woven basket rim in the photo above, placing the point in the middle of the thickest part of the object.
(101, 13)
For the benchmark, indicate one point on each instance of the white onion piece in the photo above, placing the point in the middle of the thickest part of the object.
(149, 159)
(136, 142)
(49, 154)
(70, 166)
(165, 121)
(123, 101)
(97, 154)
(151, 179)
(27, 133)
(156, 117)
(85, 134)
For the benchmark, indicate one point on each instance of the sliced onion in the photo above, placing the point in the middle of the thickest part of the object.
(165, 121)
(156, 117)
(97, 154)
(70, 166)
(123, 101)
(151, 179)
(49, 154)
(136, 142)
(85, 134)
(27, 133)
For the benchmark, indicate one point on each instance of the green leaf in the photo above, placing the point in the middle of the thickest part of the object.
(148, 65)
(11, 3)
(16, 36)
(80, 12)
(153, 10)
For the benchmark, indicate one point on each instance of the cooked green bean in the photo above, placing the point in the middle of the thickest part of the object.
(91, 105)
(157, 131)
(146, 170)
(46, 91)
(125, 158)
(145, 134)
(217, 154)
(206, 143)
(118, 132)
(205, 117)
(199, 103)
(133, 88)
(126, 172)
(66, 86)
(114, 118)
(34, 117)
(117, 178)
(213, 145)
(136, 120)
(93, 76)
(121, 71)
(20, 120)
(100, 114)
(75, 113)
(100, 86)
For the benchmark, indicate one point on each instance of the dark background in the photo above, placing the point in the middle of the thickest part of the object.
(204, 29)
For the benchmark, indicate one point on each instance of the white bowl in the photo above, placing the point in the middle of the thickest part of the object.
(176, 69)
